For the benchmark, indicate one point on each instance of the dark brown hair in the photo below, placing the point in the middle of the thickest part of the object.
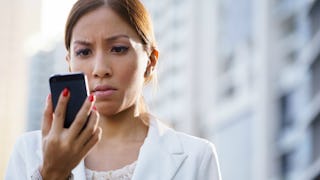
(131, 11)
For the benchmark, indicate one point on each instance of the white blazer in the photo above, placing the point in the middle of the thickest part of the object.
(165, 155)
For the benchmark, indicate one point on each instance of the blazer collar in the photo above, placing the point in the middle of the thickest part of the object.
(161, 154)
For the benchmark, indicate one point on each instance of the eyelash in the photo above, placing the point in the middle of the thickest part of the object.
(119, 49)
(115, 49)
(83, 52)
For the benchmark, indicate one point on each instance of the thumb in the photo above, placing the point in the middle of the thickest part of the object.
(47, 117)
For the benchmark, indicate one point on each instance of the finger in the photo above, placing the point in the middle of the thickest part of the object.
(60, 111)
(81, 117)
(90, 129)
(94, 139)
(47, 117)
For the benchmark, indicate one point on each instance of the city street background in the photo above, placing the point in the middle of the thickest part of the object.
(243, 74)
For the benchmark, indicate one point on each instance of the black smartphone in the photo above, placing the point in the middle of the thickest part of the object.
(78, 89)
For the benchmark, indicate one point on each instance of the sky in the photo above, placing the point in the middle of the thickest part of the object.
(52, 23)
(54, 15)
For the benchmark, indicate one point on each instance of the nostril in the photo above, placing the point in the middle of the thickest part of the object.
(108, 74)
(101, 75)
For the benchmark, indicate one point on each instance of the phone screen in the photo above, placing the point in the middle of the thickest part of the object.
(78, 89)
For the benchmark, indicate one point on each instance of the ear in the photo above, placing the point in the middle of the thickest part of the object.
(153, 59)
(68, 61)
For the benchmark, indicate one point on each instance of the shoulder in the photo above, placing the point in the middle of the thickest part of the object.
(29, 138)
(189, 143)
(195, 144)
(200, 153)
(28, 142)
(26, 155)
(32, 135)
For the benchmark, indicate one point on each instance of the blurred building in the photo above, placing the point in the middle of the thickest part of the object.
(246, 77)
(19, 20)
(47, 61)
(185, 34)
(300, 146)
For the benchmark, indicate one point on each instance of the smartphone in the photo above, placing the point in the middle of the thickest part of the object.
(78, 89)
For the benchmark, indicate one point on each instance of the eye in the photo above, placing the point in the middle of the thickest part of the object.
(83, 52)
(119, 49)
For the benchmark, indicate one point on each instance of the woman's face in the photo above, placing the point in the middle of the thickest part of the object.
(111, 54)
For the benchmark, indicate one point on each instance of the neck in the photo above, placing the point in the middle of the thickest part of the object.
(123, 127)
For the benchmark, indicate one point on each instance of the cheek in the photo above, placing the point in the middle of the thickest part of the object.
(78, 66)
(132, 74)
(129, 74)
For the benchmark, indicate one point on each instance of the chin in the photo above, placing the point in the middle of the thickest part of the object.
(107, 110)
(112, 109)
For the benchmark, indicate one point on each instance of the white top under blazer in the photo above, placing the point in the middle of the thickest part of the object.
(165, 155)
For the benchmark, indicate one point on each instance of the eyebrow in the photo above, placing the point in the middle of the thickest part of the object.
(108, 40)
(113, 38)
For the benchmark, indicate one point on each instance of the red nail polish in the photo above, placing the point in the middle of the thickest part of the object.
(65, 92)
(91, 97)
(49, 96)
(94, 108)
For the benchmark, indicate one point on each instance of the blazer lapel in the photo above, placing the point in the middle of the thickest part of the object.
(161, 155)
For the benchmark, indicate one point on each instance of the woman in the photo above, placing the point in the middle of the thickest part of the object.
(112, 42)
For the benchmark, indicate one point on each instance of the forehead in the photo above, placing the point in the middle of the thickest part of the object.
(102, 22)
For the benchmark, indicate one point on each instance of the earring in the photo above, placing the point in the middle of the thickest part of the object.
(148, 73)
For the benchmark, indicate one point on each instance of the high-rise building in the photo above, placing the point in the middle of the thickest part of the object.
(42, 65)
(47, 58)
(19, 21)
(304, 137)
(244, 75)
(184, 33)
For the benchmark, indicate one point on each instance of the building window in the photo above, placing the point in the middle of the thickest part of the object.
(227, 63)
(289, 26)
(315, 126)
(317, 177)
(286, 112)
(285, 165)
(236, 23)
(292, 56)
(314, 17)
(315, 74)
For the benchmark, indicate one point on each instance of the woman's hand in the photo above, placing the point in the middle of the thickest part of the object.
(64, 148)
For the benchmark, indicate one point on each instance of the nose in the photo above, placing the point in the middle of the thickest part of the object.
(102, 66)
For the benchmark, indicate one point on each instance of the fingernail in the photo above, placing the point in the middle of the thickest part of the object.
(91, 97)
(49, 96)
(65, 92)
(94, 108)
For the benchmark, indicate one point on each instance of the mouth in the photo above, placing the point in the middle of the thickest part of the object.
(102, 91)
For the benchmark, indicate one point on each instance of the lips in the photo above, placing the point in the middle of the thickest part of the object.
(103, 91)
(103, 88)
